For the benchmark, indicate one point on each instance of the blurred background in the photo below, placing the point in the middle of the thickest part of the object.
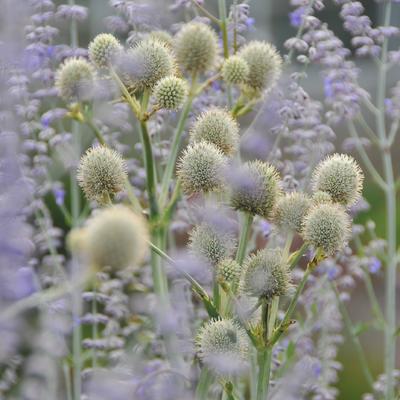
(270, 22)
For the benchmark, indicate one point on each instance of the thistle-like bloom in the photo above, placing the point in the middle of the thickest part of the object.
(211, 243)
(103, 49)
(75, 79)
(321, 197)
(101, 173)
(200, 168)
(265, 65)
(154, 61)
(171, 92)
(327, 226)
(341, 177)
(255, 188)
(217, 126)
(162, 36)
(223, 347)
(196, 46)
(116, 237)
(235, 70)
(290, 211)
(228, 270)
(266, 274)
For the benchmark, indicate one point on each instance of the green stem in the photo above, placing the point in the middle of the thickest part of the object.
(97, 132)
(355, 340)
(176, 141)
(244, 237)
(205, 381)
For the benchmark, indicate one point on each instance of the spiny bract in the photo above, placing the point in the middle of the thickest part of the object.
(101, 173)
(256, 189)
(235, 70)
(75, 79)
(223, 347)
(103, 48)
(196, 46)
(116, 237)
(290, 211)
(341, 177)
(154, 62)
(217, 126)
(327, 226)
(211, 243)
(265, 65)
(265, 274)
(321, 197)
(200, 168)
(170, 92)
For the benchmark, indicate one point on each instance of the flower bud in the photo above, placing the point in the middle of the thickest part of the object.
(223, 347)
(103, 48)
(170, 92)
(196, 46)
(217, 126)
(255, 188)
(200, 168)
(265, 274)
(228, 270)
(75, 80)
(235, 70)
(116, 238)
(341, 177)
(290, 211)
(327, 226)
(101, 173)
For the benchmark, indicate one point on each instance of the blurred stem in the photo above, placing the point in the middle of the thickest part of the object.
(95, 332)
(244, 237)
(296, 256)
(176, 141)
(204, 383)
(206, 12)
(355, 340)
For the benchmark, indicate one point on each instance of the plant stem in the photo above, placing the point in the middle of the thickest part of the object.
(244, 237)
(353, 337)
(176, 141)
(204, 383)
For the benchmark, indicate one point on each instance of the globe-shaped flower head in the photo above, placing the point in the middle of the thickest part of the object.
(75, 80)
(229, 270)
(170, 92)
(290, 211)
(116, 237)
(265, 275)
(223, 347)
(235, 70)
(217, 126)
(196, 46)
(200, 168)
(151, 61)
(340, 176)
(327, 226)
(255, 188)
(101, 173)
(103, 49)
(212, 243)
(265, 65)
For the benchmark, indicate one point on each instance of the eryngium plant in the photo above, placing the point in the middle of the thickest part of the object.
(120, 276)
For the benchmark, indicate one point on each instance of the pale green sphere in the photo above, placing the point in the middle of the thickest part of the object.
(103, 48)
(235, 70)
(228, 270)
(170, 92)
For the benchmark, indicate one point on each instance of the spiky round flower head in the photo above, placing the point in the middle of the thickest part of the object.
(290, 211)
(170, 92)
(154, 61)
(235, 70)
(101, 173)
(211, 243)
(265, 65)
(341, 177)
(76, 240)
(223, 347)
(217, 126)
(327, 226)
(321, 197)
(200, 168)
(103, 48)
(162, 36)
(116, 238)
(265, 274)
(75, 79)
(255, 189)
(196, 47)
(228, 270)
